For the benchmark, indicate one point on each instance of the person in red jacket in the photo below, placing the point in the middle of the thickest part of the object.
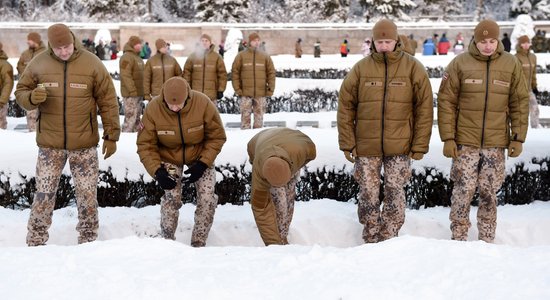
(443, 45)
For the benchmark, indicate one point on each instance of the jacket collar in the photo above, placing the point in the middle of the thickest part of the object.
(472, 49)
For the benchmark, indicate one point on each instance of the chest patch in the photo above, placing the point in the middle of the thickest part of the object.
(373, 83)
(81, 86)
(473, 81)
(50, 84)
(398, 83)
(191, 130)
(166, 132)
(501, 83)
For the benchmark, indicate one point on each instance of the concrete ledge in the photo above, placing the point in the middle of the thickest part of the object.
(274, 123)
(314, 124)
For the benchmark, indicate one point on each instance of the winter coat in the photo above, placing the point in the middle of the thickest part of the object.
(194, 133)
(298, 50)
(429, 48)
(529, 63)
(317, 50)
(413, 44)
(291, 145)
(483, 101)
(385, 106)
(206, 73)
(506, 44)
(253, 74)
(131, 73)
(78, 89)
(443, 46)
(6, 79)
(344, 49)
(27, 56)
(158, 69)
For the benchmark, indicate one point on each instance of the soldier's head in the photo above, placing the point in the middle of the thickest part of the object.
(206, 41)
(524, 42)
(61, 41)
(486, 36)
(254, 40)
(33, 40)
(276, 171)
(161, 46)
(384, 35)
(135, 43)
(176, 91)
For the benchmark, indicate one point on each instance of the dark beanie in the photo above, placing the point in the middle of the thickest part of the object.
(160, 43)
(35, 37)
(176, 90)
(59, 35)
(523, 39)
(134, 40)
(384, 30)
(486, 29)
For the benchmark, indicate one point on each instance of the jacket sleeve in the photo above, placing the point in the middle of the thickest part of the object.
(7, 83)
(236, 75)
(25, 86)
(20, 66)
(518, 104)
(177, 68)
(222, 74)
(265, 216)
(251, 148)
(271, 73)
(447, 103)
(126, 75)
(214, 135)
(147, 144)
(347, 110)
(188, 69)
(534, 77)
(423, 110)
(106, 99)
(147, 78)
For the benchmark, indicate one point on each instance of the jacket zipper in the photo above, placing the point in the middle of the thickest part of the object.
(65, 105)
(384, 98)
(254, 71)
(181, 137)
(162, 63)
(91, 123)
(486, 100)
(204, 69)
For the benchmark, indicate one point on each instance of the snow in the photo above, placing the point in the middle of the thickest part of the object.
(326, 259)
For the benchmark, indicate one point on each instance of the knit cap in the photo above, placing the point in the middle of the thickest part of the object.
(206, 36)
(35, 37)
(384, 29)
(134, 40)
(59, 35)
(486, 29)
(523, 39)
(160, 43)
(276, 171)
(176, 90)
(253, 36)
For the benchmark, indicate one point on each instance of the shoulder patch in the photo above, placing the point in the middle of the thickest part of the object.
(445, 76)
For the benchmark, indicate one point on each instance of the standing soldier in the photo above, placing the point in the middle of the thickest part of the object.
(131, 83)
(182, 127)
(276, 155)
(529, 63)
(482, 110)
(205, 70)
(6, 85)
(413, 44)
(385, 116)
(253, 78)
(69, 85)
(298, 48)
(158, 69)
(34, 41)
(317, 49)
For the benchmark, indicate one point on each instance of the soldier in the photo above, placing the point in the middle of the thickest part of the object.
(6, 85)
(384, 119)
(182, 127)
(69, 86)
(34, 41)
(158, 69)
(205, 70)
(276, 155)
(405, 44)
(253, 79)
(529, 63)
(482, 110)
(298, 48)
(317, 49)
(413, 44)
(131, 83)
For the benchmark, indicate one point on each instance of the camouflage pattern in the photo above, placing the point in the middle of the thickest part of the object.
(204, 212)
(251, 105)
(283, 198)
(476, 168)
(385, 224)
(4, 116)
(533, 111)
(32, 116)
(84, 169)
(132, 113)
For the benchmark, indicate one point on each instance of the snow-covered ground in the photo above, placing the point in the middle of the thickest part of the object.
(327, 259)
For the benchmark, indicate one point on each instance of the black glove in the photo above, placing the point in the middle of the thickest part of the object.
(164, 179)
(195, 172)
(536, 91)
(220, 95)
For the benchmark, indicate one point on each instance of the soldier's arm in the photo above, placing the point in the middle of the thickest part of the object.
(188, 69)
(147, 78)
(126, 77)
(7, 79)
(518, 104)
(222, 74)
(423, 109)
(147, 144)
(106, 99)
(271, 73)
(447, 102)
(236, 75)
(26, 84)
(177, 68)
(347, 110)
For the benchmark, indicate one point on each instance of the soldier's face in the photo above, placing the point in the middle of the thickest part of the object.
(255, 43)
(175, 107)
(385, 45)
(205, 43)
(163, 50)
(31, 44)
(487, 46)
(64, 52)
(526, 46)
(137, 47)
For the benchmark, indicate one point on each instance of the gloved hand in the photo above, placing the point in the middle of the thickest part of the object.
(109, 148)
(164, 179)
(536, 91)
(38, 95)
(147, 97)
(220, 95)
(515, 148)
(350, 155)
(416, 155)
(450, 149)
(194, 172)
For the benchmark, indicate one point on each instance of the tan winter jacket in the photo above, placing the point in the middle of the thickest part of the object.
(206, 73)
(385, 106)
(529, 63)
(26, 57)
(158, 69)
(483, 101)
(291, 145)
(253, 74)
(77, 90)
(131, 73)
(6, 79)
(194, 133)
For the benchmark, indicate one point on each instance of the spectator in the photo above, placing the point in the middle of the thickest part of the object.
(506, 43)
(443, 45)
(344, 48)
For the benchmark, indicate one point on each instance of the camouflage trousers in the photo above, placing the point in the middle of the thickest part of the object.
(84, 169)
(476, 168)
(283, 199)
(533, 111)
(385, 224)
(132, 114)
(32, 116)
(251, 105)
(207, 201)
(4, 116)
